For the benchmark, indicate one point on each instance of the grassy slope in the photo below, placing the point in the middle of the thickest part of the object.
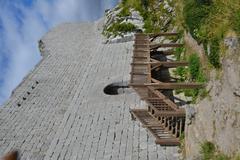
(209, 22)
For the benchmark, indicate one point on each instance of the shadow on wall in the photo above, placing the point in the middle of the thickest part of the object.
(117, 88)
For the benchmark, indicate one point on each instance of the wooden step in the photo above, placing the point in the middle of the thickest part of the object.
(163, 137)
(170, 64)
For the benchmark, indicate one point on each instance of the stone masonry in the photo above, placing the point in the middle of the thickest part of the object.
(59, 111)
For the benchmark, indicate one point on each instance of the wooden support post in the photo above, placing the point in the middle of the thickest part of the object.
(169, 64)
(156, 46)
(162, 63)
(171, 85)
(171, 113)
(152, 35)
(166, 52)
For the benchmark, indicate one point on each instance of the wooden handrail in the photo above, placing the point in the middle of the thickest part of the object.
(170, 85)
(162, 45)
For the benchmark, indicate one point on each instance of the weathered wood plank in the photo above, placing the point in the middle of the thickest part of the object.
(162, 45)
(171, 85)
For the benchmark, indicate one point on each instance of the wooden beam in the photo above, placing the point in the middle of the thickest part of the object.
(153, 60)
(170, 114)
(178, 85)
(168, 141)
(143, 57)
(171, 85)
(164, 98)
(157, 93)
(162, 113)
(152, 125)
(163, 63)
(141, 41)
(152, 35)
(151, 98)
(140, 34)
(155, 80)
(170, 64)
(166, 52)
(141, 45)
(161, 45)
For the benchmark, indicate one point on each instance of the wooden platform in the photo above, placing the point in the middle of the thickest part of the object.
(162, 117)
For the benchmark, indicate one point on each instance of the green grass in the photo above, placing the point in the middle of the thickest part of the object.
(193, 72)
(210, 152)
(207, 150)
(209, 21)
(182, 142)
(214, 55)
(178, 53)
(124, 12)
(194, 66)
(237, 22)
(195, 12)
(182, 73)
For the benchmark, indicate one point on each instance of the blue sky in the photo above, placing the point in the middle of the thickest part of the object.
(24, 22)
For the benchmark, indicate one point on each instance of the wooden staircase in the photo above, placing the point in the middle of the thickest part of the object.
(162, 117)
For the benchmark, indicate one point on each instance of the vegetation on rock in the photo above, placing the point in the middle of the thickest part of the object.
(209, 152)
(208, 21)
(157, 16)
(194, 72)
(121, 28)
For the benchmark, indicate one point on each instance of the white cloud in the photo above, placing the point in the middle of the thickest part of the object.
(22, 26)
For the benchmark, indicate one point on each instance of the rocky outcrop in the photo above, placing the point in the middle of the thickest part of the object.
(217, 116)
(158, 15)
(113, 16)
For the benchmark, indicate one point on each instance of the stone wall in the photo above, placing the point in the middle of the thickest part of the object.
(217, 116)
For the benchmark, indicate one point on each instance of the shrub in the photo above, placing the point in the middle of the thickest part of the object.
(148, 25)
(145, 3)
(192, 93)
(122, 27)
(214, 57)
(203, 93)
(178, 53)
(221, 157)
(194, 66)
(204, 2)
(182, 141)
(237, 22)
(195, 12)
(207, 150)
(201, 76)
(182, 73)
(124, 12)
